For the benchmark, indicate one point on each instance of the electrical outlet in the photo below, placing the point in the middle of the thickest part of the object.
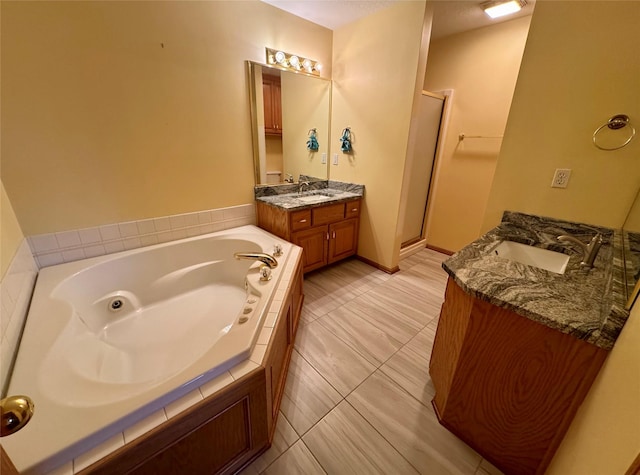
(561, 178)
(324, 158)
(335, 158)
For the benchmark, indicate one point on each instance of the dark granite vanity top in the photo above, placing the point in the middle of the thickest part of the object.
(585, 303)
(317, 193)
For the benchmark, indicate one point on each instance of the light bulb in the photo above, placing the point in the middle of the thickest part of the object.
(280, 57)
(294, 61)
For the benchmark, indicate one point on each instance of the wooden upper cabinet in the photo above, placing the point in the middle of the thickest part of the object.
(271, 92)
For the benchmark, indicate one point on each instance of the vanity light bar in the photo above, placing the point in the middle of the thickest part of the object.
(293, 62)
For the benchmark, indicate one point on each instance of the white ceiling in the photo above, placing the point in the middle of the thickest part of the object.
(449, 17)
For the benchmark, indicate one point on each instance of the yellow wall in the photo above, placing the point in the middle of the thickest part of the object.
(481, 66)
(375, 61)
(10, 233)
(571, 81)
(114, 111)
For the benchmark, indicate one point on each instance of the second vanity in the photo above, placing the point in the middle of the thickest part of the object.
(518, 347)
(323, 220)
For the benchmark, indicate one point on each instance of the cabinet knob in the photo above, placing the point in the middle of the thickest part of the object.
(353, 210)
(303, 221)
(327, 235)
(334, 235)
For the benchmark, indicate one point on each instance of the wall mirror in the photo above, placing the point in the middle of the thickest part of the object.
(285, 106)
(631, 230)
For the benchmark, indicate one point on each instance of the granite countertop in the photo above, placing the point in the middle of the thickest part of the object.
(319, 193)
(585, 303)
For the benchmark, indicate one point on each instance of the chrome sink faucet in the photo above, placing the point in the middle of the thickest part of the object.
(590, 251)
(302, 184)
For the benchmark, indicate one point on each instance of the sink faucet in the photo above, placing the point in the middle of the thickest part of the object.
(301, 185)
(289, 178)
(590, 250)
(270, 261)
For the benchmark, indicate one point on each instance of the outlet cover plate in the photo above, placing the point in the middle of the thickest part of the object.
(561, 178)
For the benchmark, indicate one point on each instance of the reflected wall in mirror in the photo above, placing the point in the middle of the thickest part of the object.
(285, 106)
(632, 259)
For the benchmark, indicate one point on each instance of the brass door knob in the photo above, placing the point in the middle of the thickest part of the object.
(15, 412)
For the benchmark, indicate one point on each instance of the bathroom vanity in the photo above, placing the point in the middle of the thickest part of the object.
(518, 347)
(324, 222)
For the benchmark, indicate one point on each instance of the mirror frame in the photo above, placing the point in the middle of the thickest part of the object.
(633, 288)
(250, 65)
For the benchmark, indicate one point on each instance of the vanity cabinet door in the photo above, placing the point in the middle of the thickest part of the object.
(343, 239)
(313, 242)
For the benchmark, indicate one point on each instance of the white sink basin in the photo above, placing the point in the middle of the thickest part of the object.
(312, 198)
(532, 256)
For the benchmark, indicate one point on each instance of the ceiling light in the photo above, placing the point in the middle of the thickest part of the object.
(502, 8)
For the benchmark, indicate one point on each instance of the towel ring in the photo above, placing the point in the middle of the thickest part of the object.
(616, 122)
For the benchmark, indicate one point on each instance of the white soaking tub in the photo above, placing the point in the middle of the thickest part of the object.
(110, 340)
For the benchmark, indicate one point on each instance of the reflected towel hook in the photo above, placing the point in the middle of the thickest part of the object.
(312, 143)
(616, 122)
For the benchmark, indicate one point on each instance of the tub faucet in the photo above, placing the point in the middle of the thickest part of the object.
(266, 259)
(302, 184)
(590, 251)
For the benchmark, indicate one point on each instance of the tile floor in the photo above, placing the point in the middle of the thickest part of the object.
(358, 393)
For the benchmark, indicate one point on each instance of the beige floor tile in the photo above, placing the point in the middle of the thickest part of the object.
(343, 367)
(307, 395)
(415, 283)
(324, 295)
(367, 339)
(385, 316)
(344, 443)
(412, 428)
(410, 371)
(284, 438)
(307, 316)
(410, 261)
(486, 468)
(420, 307)
(357, 275)
(422, 343)
(297, 460)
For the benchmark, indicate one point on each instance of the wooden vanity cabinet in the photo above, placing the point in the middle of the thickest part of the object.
(506, 385)
(326, 233)
(271, 93)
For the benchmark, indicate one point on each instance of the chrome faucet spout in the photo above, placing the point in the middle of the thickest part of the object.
(590, 251)
(266, 259)
(302, 184)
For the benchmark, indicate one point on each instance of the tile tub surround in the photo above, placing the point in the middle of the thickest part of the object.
(56, 248)
(286, 196)
(142, 426)
(15, 290)
(588, 304)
